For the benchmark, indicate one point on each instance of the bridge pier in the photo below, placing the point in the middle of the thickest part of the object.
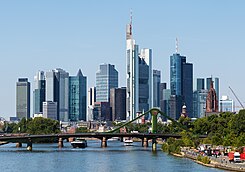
(60, 143)
(18, 144)
(104, 142)
(29, 145)
(121, 139)
(145, 142)
(154, 144)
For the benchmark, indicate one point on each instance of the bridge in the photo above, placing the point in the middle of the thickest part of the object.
(145, 137)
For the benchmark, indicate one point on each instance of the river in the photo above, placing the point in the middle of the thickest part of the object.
(116, 157)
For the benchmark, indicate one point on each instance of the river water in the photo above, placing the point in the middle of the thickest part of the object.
(114, 158)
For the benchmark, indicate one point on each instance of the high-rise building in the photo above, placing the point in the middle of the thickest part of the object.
(175, 106)
(38, 92)
(199, 103)
(106, 78)
(91, 95)
(139, 76)
(23, 98)
(50, 110)
(181, 82)
(200, 84)
(165, 105)
(118, 103)
(57, 90)
(226, 104)
(156, 88)
(102, 111)
(163, 87)
(77, 97)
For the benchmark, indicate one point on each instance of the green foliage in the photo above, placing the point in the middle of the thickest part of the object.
(187, 139)
(9, 127)
(172, 145)
(37, 125)
(82, 130)
(203, 159)
(224, 129)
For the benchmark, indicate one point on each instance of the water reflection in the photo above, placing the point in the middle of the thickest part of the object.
(116, 157)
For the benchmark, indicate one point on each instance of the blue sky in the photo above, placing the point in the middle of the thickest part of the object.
(43, 35)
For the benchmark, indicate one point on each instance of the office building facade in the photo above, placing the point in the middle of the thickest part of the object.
(77, 97)
(23, 98)
(156, 88)
(199, 103)
(38, 92)
(138, 76)
(200, 84)
(226, 104)
(181, 83)
(50, 110)
(106, 78)
(57, 90)
(102, 111)
(91, 95)
(118, 103)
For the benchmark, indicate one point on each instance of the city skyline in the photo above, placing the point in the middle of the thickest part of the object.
(48, 35)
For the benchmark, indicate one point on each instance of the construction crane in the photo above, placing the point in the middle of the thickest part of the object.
(236, 97)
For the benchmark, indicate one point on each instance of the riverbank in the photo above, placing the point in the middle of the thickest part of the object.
(3, 143)
(221, 162)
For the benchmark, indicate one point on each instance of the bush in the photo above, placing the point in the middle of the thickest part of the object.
(203, 159)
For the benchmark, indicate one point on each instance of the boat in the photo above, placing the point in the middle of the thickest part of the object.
(128, 142)
(79, 143)
(113, 139)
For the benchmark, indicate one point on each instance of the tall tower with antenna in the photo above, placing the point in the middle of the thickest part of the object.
(181, 83)
(139, 71)
(176, 46)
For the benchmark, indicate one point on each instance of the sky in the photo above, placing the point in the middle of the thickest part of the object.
(72, 35)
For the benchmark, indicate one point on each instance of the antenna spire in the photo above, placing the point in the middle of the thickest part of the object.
(131, 17)
(176, 45)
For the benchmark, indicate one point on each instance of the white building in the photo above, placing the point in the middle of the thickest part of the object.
(226, 105)
(50, 110)
(139, 76)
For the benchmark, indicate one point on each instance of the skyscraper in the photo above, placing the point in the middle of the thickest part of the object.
(181, 83)
(91, 95)
(200, 84)
(91, 101)
(23, 98)
(156, 88)
(139, 76)
(38, 92)
(199, 103)
(118, 103)
(106, 78)
(77, 97)
(50, 110)
(57, 90)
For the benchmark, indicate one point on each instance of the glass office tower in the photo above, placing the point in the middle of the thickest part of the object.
(106, 78)
(23, 98)
(77, 97)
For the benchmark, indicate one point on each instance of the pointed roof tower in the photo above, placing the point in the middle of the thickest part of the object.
(79, 73)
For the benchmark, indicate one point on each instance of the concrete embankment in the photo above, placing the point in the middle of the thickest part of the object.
(3, 143)
(213, 164)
